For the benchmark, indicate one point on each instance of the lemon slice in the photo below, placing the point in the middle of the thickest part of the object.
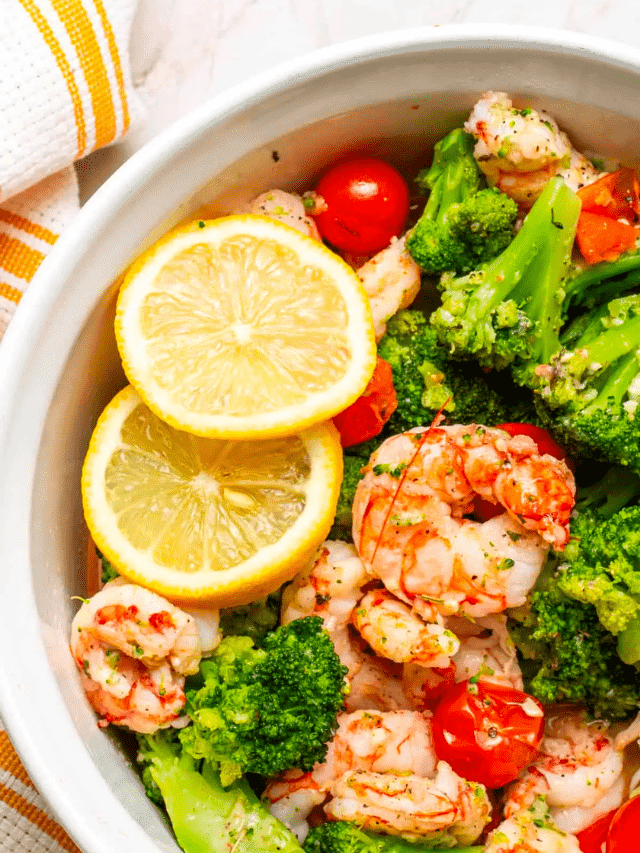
(242, 327)
(198, 518)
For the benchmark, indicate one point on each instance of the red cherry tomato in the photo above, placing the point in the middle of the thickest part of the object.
(593, 838)
(487, 732)
(367, 202)
(365, 418)
(616, 195)
(625, 828)
(484, 509)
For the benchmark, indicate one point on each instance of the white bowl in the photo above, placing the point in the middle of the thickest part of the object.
(392, 95)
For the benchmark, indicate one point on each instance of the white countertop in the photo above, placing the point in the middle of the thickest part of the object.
(185, 51)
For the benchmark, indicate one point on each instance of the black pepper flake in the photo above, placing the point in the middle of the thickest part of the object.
(275, 156)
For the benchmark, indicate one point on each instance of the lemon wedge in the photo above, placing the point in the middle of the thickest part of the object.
(201, 519)
(242, 327)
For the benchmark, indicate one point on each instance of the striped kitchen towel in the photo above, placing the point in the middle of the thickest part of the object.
(65, 90)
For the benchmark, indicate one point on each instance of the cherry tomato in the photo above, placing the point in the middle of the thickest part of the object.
(365, 418)
(593, 838)
(616, 195)
(367, 202)
(484, 509)
(625, 828)
(602, 238)
(487, 732)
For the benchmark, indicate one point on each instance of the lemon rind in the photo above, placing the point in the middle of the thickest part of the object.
(316, 408)
(261, 573)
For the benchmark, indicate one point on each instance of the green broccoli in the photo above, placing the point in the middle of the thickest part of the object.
(270, 709)
(511, 308)
(253, 620)
(345, 837)
(207, 817)
(566, 631)
(425, 380)
(601, 564)
(569, 656)
(352, 475)
(588, 287)
(107, 572)
(462, 225)
(590, 389)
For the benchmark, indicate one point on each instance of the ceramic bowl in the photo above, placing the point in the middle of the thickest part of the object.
(393, 96)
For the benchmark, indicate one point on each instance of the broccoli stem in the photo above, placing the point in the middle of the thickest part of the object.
(208, 818)
(586, 282)
(535, 251)
(613, 343)
(615, 383)
(539, 290)
(629, 642)
(615, 490)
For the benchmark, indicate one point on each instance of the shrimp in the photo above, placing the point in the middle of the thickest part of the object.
(521, 150)
(408, 523)
(415, 807)
(486, 651)
(133, 649)
(394, 631)
(391, 280)
(330, 588)
(530, 831)
(398, 742)
(578, 770)
(287, 208)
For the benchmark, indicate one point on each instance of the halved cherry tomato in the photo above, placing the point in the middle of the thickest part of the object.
(365, 418)
(592, 839)
(484, 509)
(616, 195)
(367, 202)
(624, 831)
(602, 238)
(488, 733)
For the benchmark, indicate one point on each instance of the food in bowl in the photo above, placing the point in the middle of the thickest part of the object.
(381, 700)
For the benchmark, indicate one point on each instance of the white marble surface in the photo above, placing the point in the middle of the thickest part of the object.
(185, 51)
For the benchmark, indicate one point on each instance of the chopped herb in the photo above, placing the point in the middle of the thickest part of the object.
(385, 468)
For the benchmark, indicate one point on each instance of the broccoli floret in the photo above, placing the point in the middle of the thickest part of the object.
(569, 656)
(271, 709)
(345, 837)
(510, 308)
(207, 817)
(590, 389)
(566, 631)
(253, 620)
(601, 563)
(463, 224)
(352, 474)
(425, 380)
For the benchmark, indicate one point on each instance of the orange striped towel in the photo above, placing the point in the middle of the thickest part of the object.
(65, 90)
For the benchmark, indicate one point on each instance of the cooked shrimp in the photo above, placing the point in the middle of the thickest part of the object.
(578, 770)
(330, 588)
(285, 207)
(391, 280)
(395, 632)
(486, 651)
(520, 150)
(133, 649)
(398, 742)
(530, 831)
(408, 523)
(415, 807)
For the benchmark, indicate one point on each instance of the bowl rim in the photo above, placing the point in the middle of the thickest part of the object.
(24, 329)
